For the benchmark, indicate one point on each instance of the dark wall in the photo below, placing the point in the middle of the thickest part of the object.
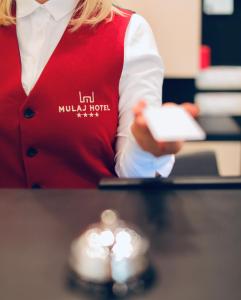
(223, 35)
(179, 90)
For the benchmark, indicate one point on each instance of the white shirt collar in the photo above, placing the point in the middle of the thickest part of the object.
(56, 8)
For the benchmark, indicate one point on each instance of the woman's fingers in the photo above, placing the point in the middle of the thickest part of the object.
(169, 104)
(192, 109)
(170, 147)
(138, 108)
(146, 141)
(144, 137)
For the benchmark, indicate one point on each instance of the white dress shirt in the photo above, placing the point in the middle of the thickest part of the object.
(39, 30)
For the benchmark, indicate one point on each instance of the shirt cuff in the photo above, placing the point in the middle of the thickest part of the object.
(135, 162)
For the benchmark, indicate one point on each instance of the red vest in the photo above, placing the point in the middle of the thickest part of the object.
(63, 134)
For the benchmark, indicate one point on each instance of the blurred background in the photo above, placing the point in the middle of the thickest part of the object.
(200, 42)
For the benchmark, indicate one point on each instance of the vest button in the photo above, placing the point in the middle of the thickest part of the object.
(31, 152)
(36, 186)
(28, 113)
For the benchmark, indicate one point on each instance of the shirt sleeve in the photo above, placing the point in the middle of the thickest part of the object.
(141, 78)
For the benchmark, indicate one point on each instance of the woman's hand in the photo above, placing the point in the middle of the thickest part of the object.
(144, 137)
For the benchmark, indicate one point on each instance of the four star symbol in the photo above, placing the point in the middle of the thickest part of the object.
(85, 115)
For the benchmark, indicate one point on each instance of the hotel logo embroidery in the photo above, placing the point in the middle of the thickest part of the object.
(86, 107)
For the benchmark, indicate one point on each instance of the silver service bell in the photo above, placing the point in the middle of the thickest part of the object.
(110, 253)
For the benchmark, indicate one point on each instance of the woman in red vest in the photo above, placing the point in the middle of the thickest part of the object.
(70, 74)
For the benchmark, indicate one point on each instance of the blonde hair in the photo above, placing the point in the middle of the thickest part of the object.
(88, 12)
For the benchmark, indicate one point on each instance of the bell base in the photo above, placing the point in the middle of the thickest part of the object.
(112, 290)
